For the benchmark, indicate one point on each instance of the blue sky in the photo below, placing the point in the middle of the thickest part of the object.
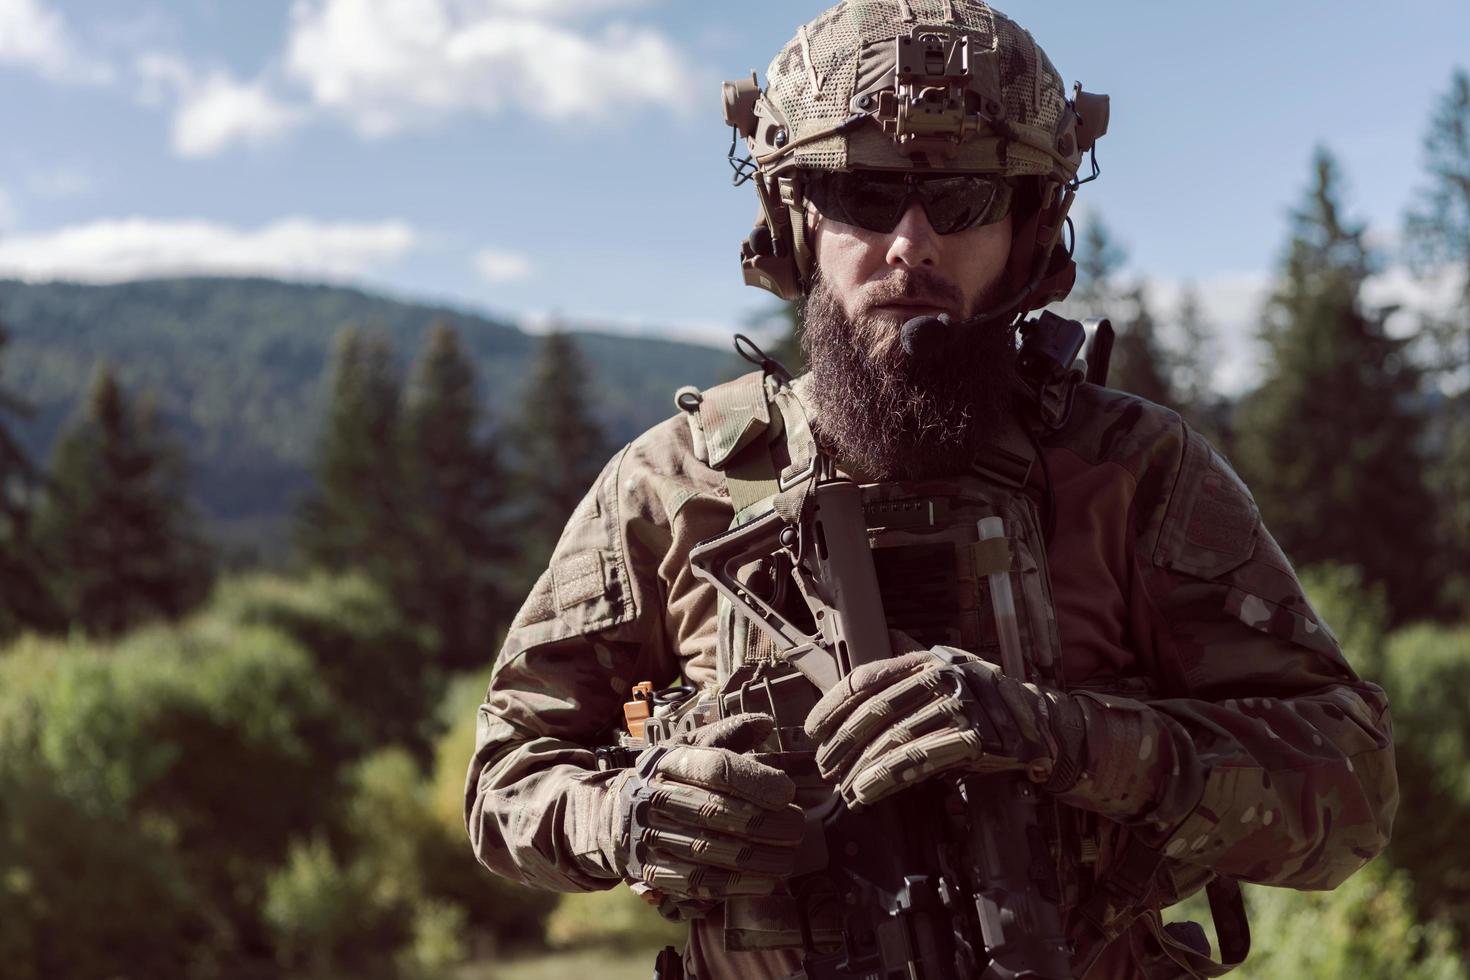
(538, 158)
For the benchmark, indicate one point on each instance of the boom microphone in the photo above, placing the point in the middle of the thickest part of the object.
(923, 336)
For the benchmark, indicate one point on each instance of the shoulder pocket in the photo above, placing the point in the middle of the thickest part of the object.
(1211, 522)
(725, 419)
(586, 586)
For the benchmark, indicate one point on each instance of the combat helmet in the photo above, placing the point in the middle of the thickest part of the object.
(942, 87)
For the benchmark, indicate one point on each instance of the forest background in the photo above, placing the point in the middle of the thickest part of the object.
(259, 541)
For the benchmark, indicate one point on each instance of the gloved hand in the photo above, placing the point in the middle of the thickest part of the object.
(697, 819)
(896, 722)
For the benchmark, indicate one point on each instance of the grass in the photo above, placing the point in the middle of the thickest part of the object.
(580, 964)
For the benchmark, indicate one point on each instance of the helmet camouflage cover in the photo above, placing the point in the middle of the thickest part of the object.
(932, 85)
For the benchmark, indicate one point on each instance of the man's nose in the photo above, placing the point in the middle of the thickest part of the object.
(915, 243)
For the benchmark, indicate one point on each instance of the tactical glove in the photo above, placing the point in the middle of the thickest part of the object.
(895, 722)
(697, 819)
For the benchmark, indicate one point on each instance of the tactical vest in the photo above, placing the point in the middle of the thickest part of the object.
(934, 576)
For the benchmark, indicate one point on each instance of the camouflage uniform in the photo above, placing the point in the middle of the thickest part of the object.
(1238, 740)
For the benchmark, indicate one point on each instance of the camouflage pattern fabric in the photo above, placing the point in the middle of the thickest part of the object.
(1232, 732)
(848, 47)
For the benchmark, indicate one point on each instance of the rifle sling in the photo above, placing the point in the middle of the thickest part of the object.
(1126, 892)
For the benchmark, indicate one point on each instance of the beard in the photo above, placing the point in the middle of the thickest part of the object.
(893, 416)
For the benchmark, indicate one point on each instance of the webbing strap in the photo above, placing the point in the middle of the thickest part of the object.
(1228, 910)
(751, 476)
(1125, 892)
(799, 475)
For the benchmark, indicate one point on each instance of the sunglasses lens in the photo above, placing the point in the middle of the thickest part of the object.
(869, 202)
(877, 202)
(956, 203)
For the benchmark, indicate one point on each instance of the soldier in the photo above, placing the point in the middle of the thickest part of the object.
(1196, 721)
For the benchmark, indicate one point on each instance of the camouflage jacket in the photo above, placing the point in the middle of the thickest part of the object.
(1173, 604)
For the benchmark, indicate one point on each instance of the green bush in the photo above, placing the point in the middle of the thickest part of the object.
(1427, 677)
(438, 941)
(407, 897)
(326, 917)
(206, 744)
(1365, 928)
(252, 787)
(378, 667)
(1356, 613)
(87, 894)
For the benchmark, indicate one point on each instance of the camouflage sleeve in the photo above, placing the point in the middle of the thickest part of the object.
(611, 609)
(1275, 765)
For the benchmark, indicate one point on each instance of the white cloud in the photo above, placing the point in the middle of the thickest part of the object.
(213, 110)
(131, 248)
(567, 9)
(37, 38)
(495, 266)
(1435, 293)
(390, 64)
(219, 111)
(1231, 303)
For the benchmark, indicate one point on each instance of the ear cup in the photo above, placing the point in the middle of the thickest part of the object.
(769, 263)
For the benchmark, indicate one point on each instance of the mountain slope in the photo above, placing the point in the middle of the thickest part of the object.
(237, 367)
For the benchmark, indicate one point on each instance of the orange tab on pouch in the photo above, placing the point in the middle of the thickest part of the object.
(640, 709)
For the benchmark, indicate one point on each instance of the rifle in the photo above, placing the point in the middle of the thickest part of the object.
(950, 878)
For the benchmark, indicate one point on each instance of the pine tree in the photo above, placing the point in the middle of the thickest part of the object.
(562, 448)
(1193, 376)
(1329, 442)
(1099, 257)
(116, 526)
(457, 496)
(1438, 234)
(25, 598)
(1139, 364)
(353, 518)
(1438, 227)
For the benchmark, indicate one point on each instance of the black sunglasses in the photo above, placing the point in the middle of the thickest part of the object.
(877, 201)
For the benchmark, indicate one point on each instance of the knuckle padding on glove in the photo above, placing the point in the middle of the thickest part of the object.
(944, 714)
(720, 851)
(910, 763)
(856, 687)
(702, 881)
(868, 718)
(722, 771)
(738, 733)
(689, 806)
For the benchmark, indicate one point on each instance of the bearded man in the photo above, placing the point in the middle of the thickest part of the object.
(1182, 716)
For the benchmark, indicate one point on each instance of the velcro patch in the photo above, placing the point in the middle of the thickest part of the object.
(1212, 519)
(577, 578)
